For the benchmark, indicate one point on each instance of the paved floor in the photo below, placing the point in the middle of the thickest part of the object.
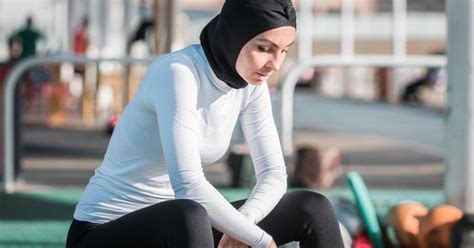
(382, 162)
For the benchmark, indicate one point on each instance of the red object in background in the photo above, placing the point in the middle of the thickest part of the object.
(112, 122)
(362, 241)
(81, 41)
(50, 90)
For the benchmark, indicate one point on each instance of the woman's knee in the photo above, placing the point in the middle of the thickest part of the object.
(311, 204)
(194, 223)
(189, 208)
(189, 211)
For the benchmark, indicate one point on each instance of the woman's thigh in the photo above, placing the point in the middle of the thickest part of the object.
(174, 223)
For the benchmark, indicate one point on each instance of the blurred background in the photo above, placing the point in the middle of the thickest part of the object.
(365, 27)
(370, 96)
(351, 86)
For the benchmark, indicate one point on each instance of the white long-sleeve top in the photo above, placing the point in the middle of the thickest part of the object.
(180, 119)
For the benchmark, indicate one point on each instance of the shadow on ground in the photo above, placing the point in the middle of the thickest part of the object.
(38, 219)
(26, 207)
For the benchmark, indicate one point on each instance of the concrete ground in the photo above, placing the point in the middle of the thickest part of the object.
(67, 157)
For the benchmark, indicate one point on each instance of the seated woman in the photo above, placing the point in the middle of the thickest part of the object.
(150, 190)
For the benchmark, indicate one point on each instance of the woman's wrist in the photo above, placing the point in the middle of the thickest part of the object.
(249, 217)
(266, 241)
(272, 244)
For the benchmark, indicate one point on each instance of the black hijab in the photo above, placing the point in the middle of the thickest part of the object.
(239, 21)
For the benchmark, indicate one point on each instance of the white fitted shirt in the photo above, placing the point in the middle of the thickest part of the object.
(181, 119)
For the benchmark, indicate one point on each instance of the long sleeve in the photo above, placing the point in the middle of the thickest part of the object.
(173, 96)
(262, 137)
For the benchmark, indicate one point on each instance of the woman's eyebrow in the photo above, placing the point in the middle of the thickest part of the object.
(273, 43)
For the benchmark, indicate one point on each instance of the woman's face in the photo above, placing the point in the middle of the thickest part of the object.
(264, 54)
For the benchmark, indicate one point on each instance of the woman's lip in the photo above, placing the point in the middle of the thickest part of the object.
(262, 76)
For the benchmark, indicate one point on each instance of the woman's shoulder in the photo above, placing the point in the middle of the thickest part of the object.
(172, 70)
(181, 60)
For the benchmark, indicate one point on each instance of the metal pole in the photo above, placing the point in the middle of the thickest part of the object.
(96, 86)
(287, 95)
(305, 33)
(459, 183)
(347, 38)
(170, 22)
(399, 37)
(98, 21)
(70, 6)
(127, 17)
(347, 28)
(158, 10)
(399, 40)
(459, 172)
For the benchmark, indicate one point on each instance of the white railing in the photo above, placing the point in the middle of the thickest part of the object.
(347, 37)
(346, 58)
(289, 83)
(9, 104)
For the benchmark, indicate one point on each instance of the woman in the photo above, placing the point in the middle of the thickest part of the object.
(150, 190)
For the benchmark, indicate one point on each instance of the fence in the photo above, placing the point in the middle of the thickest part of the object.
(8, 97)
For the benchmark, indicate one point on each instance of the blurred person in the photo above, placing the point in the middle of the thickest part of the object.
(436, 227)
(80, 46)
(411, 93)
(411, 224)
(144, 28)
(27, 38)
(14, 50)
(402, 223)
(150, 189)
(81, 37)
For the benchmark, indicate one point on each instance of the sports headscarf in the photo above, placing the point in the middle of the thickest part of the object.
(239, 21)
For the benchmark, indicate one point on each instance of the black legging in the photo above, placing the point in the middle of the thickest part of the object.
(302, 216)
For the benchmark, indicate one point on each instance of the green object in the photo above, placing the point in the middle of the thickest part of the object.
(366, 208)
(27, 37)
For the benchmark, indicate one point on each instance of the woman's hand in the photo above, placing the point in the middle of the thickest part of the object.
(272, 245)
(229, 242)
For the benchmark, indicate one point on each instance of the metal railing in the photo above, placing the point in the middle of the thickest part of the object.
(287, 91)
(9, 104)
(347, 34)
(289, 82)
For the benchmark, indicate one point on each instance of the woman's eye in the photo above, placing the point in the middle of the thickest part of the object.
(263, 49)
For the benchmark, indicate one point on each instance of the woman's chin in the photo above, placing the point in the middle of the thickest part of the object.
(256, 82)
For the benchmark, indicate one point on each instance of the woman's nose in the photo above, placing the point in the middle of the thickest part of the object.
(275, 62)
